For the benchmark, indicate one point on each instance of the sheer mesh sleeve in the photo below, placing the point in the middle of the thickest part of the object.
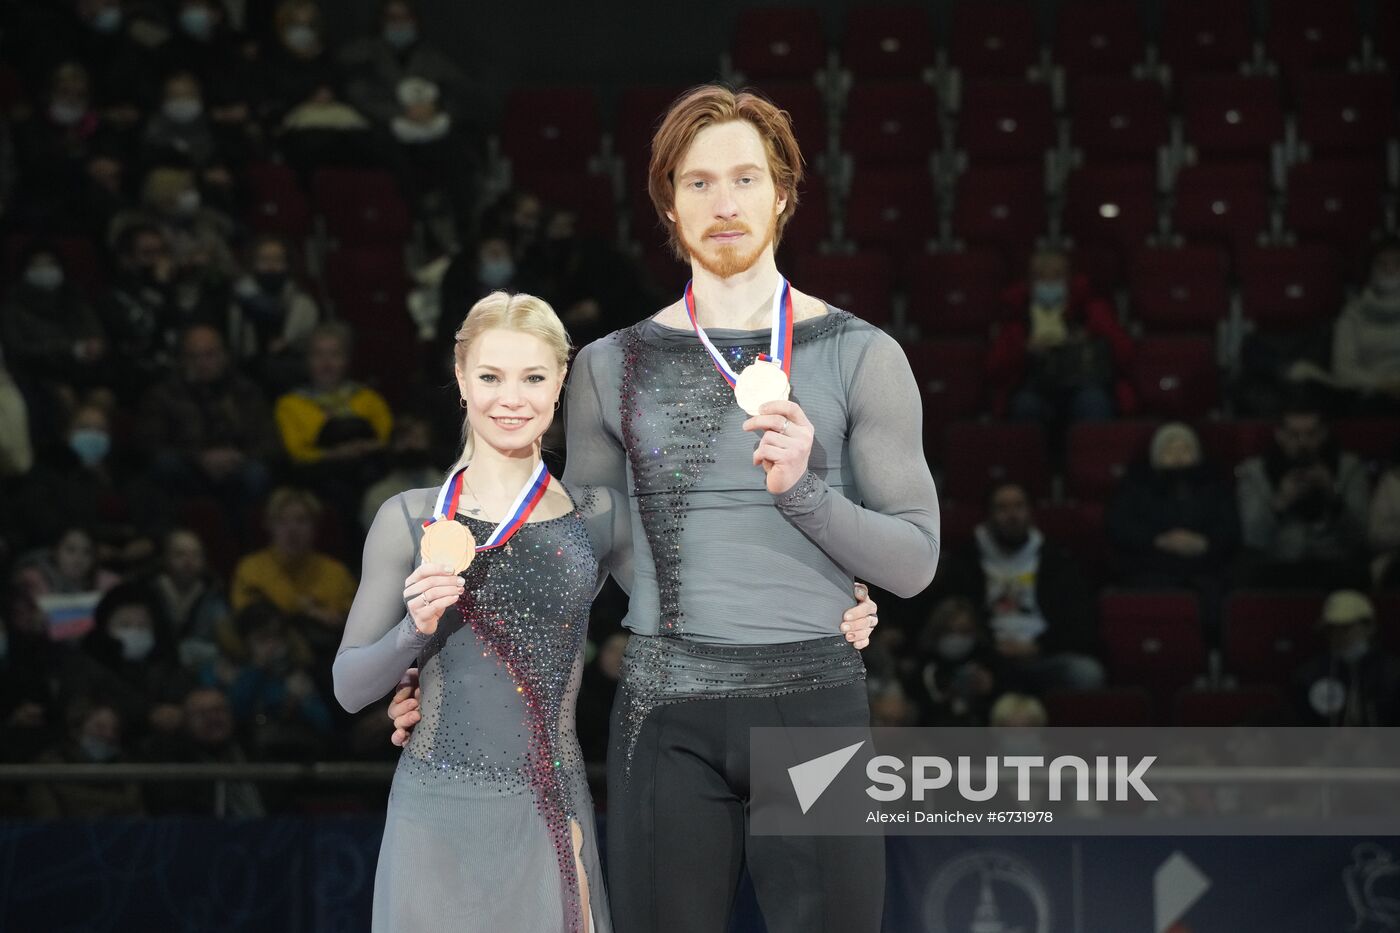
(380, 640)
(606, 515)
(891, 537)
(594, 448)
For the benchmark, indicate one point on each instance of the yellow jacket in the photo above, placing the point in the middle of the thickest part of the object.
(301, 415)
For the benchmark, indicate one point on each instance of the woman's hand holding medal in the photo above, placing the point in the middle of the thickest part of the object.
(785, 446)
(428, 591)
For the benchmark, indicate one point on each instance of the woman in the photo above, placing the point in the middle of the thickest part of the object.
(490, 810)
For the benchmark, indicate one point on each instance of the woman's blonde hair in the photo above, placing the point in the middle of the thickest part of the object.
(504, 311)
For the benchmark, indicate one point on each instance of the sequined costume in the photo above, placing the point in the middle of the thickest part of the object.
(478, 831)
(737, 600)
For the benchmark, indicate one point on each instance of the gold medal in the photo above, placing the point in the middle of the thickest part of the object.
(448, 542)
(760, 383)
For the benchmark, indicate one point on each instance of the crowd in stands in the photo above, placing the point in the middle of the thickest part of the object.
(235, 256)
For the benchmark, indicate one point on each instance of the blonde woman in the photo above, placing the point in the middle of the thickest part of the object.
(490, 825)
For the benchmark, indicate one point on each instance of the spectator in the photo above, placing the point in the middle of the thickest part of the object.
(313, 588)
(1354, 683)
(591, 283)
(1039, 608)
(272, 316)
(1061, 355)
(190, 598)
(115, 44)
(180, 130)
(958, 676)
(205, 45)
(377, 66)
(139, 314)
(1173, 521)
(334, 430)
(411, 465)
(437, 161)
(1366, 341)
(68, 568)
(1303, 505)
(94, 736)
(16, 451)
(52, 146)
(207, 737)
(102, 195)
(204, 265)
(1384, 527)
(25, 661)
(1018, 711)
(52, 337)
(296, 69)
(270, 691)
(208, 428)
(129, 661)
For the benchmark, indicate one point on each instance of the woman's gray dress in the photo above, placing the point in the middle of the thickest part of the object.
(478, 831)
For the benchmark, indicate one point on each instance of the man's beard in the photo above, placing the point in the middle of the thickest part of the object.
(729, 261)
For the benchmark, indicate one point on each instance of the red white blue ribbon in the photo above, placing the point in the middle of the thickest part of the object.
(530, 495)
(779, 341)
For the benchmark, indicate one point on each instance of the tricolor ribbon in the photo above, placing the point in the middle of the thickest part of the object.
(779, 342)
(530, 495)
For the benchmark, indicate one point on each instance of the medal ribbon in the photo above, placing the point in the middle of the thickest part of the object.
(530, 495)
(779, 343)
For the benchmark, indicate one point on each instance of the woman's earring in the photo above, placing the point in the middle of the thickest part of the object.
(462, 403)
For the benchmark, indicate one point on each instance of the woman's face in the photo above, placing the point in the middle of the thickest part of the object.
(184, 556)
(1177, 454)
(511, 381)
(293, 529)
(74, 555)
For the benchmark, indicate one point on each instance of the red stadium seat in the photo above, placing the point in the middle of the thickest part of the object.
(992, 39)
(589, 196)
(1176, 377)
(950, 377)
(811, 225)
(1372, 439)
(892, 208)
(1098, 37)
(1230, 443)
(1203, 36)
(1118, 118)
(639, 111)
(1001, 208)
(977, 456)
(1268, 635)
(555, 128)
(1152, 639)
(1346, 113)
(888, 42)
(955, 293)
(1100, 453)
(1288, 287)
(1304, 34)
(1113, 205)
(861, 283)
(361, 208)
(779, 42)
(806, 108)
(1335, 202)
(1005, 121)
(891, 123)
(1233, 115)
(1225, 204)
(276, 203)
(370, 288)
(1179, 289)
(1114, 706)
(1238, 707)
(1078, 527)
(960, 520)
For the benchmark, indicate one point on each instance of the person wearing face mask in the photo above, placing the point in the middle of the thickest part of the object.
(1366, 340)
(377, 65)
(1173, 520)
(294, 67)
(180, 129)
(129, 659)
(1303, 505)
(52, 337)
(271, 316)
(198, 236)
(94, 736)
(1060, 355)
(1354, 683)
(958, 669)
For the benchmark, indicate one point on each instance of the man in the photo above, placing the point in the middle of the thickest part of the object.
(1038, 606)
(747, 545)
(1303, 506)
(1354, 683)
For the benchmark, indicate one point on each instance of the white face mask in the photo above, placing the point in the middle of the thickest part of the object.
(66, 113)
(45, 276)
(956, 646)
(300, 38)
(137, 643)
(187, 202)
(183, 109)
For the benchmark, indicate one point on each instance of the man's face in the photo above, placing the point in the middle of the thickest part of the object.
(208, 718)
(202, 356)
(1301, 436)
(1010, 518)
(726, 206)
(327, 361)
